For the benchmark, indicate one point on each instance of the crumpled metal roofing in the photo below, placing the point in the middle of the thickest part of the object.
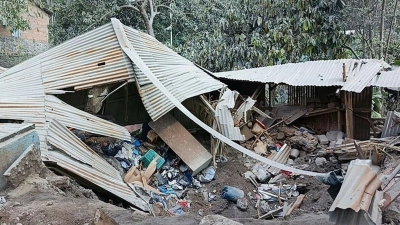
(180, 76)
(223, 115)
(13, 128)
(311, 73)
(356, 193)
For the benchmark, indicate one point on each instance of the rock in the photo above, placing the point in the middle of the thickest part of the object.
(288, 131)
(49, 203)
(280, 136)
(345, 166)
(16, 204)
(217, 220)
(333, 160)
(306, 141)
(290, 161)
(320, 161)
(102, 218)
(242, 204)
(200, 212)
(323, 139)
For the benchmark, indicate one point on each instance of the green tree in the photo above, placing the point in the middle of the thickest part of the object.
(233, 34)
(11, 14)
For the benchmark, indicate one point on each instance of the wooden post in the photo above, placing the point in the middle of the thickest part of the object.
(339, 120)
(269, 97)
(349, 114)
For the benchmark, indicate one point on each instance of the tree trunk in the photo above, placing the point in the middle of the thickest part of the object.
(382, 29)
(390, 29)
(147, 22)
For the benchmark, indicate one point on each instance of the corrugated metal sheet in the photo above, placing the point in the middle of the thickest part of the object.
(12, 128)
(133, 55)
(180, 76)
(2, 69)
(223, 115)
(63, 139)
(73, 117)
(356, 193)
(389, 79)
(363, 78)
(109, 184)
(391, 127)
(312, 73)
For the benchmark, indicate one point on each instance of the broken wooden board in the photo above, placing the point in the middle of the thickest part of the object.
(182, 143)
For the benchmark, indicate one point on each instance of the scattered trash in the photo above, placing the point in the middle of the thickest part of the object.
(207, 175)
(232, 193)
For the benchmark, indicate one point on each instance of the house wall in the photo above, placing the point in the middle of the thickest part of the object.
(14, 50)
(38, 21)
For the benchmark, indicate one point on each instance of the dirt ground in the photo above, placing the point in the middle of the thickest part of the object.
(58, 200)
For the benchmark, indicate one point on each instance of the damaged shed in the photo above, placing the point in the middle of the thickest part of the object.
(327, 95)
(94, 59)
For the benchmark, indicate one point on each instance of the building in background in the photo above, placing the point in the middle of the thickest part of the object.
(17, 46)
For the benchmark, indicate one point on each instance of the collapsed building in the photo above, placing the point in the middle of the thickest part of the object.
(135, 78)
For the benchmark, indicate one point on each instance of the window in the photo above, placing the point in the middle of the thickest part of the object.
(16, 33)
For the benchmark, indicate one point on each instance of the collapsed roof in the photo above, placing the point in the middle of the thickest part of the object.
(95, 58)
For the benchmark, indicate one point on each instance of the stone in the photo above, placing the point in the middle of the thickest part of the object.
(320, 161)
(217, 220)
(242, 204)
(339, 142)
(333, 160)
(280, 136)
(323, 139)
(290, 161)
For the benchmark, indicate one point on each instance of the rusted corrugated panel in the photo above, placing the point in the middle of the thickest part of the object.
(356, 193)
(63, 139)
(391, 128)
(91, 59)
(312, 73)
(180, 76)
(73, 117)
(109, 184)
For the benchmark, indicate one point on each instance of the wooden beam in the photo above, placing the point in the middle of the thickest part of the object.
(391, 194)
(349, 114)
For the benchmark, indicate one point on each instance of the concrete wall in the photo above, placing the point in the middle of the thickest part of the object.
(12, 146)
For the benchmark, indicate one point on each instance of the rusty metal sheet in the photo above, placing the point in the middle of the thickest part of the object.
(182, 143)
(356, 193)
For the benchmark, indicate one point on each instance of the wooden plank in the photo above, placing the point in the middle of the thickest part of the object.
(349, 115)
(182, 143)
